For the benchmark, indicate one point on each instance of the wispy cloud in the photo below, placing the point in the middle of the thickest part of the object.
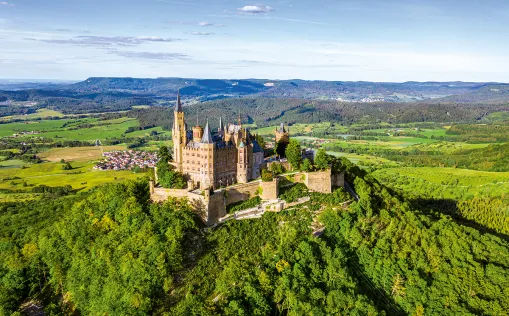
(249, 63)
(150, 55)
(62, 30)
(255, 9)
(6, 4)
(205, 23)
(108, 41)
(202, 33)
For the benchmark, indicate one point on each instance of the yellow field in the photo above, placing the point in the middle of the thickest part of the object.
(41, 113)
(77, 153)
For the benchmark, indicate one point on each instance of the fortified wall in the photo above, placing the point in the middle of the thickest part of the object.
(211, 205)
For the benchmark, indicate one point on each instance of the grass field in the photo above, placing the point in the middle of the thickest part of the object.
(8, 129)
(68, 128)
(446, 182)
(304, 129)
(147, 132)
(12, 163)
(365, 160)
(82, 176)
(92, 133)
(40, 113)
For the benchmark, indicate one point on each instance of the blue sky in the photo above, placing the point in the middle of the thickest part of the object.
(385, 40)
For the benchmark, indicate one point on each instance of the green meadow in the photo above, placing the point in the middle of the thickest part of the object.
(446, 182)
(81, 177)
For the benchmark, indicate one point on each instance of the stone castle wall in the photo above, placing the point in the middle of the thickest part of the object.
(212, 206)
(241, 192)
(270, 190)
(319, 181)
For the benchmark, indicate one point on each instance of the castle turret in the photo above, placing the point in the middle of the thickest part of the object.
(244, 164)
(282, 135)
(197, 133)
(207, 153)
(179, 134)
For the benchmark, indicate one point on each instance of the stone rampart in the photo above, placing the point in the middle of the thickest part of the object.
(241, 192)
(270, 190)
(212, 205)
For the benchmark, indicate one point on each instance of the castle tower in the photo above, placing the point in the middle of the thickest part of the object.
(207, 154)
(197, 133)
(282, 135)
(220, 130)
(179, 134)
(243, 165)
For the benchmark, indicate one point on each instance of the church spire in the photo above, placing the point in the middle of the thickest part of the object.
(207, 136)
(178, 106)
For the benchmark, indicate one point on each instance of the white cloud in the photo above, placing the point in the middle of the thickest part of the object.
(105, 41)
(150, 55)
(202, 33)
(256, 9)
(6, 3)
(205, 23)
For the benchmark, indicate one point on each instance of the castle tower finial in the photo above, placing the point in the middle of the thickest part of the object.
(178, 106)
(220, 124)
(240, 122)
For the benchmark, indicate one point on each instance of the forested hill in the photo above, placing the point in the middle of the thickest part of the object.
(110, 251)
(303, 89)
(270, 112)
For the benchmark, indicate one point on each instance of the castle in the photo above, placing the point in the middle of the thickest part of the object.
(215, 162)
(207, 161)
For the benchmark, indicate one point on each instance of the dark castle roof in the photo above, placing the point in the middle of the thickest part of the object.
(207, 136)
(178, 105)
(256, 147)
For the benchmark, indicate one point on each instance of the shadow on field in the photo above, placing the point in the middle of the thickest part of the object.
(438, 207)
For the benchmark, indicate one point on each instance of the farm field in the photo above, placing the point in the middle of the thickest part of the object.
(40, 113)
(78, 153)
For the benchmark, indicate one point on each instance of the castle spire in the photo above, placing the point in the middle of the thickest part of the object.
(282, 128)
(207, 136)
(220, 123)
(240, 122)
(178, 106)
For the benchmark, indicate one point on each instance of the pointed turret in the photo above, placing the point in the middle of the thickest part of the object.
(220, 128)
(207, 136)
(282, 128)
(178, 105)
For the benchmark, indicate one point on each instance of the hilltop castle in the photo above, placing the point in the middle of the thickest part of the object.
(230, 156)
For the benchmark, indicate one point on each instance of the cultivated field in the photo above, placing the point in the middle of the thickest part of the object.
(78, 153)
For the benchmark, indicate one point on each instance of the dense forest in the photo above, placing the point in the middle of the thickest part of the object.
(270, 112)
(110, 251)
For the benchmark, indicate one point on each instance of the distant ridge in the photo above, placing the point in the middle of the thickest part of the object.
(208, 89)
